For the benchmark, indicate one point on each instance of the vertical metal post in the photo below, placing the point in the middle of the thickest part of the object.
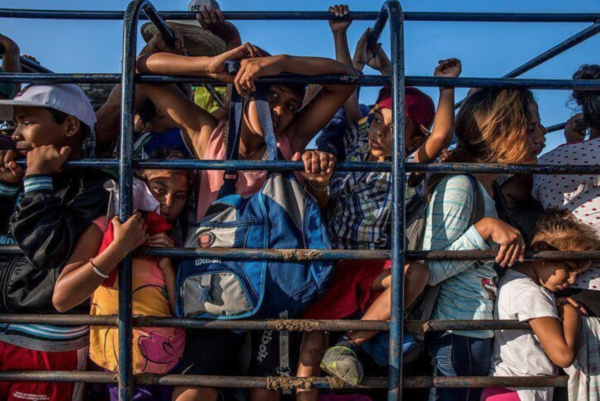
(125, 199)
(396, 19)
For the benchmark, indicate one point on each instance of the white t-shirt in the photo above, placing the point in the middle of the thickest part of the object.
(519, 352)
(580, 194)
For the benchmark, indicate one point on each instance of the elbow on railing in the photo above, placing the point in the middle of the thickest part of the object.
(61, 302)
(563, 358)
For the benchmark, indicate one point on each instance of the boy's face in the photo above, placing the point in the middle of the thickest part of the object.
(36, 127)
(558, 275)
(380, 135)
(171, 189)
(284, 104)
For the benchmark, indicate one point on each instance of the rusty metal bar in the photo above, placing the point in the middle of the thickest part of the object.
(276, 383)
(338, 254)
(301, 325)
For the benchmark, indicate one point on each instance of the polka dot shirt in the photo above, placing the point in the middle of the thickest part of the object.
(580, 194)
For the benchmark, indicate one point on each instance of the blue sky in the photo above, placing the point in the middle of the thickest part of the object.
(485, 49)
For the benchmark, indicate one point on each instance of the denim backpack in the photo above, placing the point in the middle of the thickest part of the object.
(280, 216)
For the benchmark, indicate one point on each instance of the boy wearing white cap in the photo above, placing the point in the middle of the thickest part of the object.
(44, 217)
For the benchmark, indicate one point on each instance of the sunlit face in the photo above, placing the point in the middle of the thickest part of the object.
(558, 275)
(36, 127)
(380, 135)
(284, 104)
(171, 189)
(536, 135)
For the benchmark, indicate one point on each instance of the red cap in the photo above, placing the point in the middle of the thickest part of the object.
(417, 105)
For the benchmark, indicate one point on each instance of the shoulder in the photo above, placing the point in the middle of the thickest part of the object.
(455, 186)
(102, 223)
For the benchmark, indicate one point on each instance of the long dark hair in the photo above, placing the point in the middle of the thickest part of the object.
(491, 127)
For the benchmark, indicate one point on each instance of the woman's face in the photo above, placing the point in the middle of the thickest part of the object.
(171, 189)
(536, 136)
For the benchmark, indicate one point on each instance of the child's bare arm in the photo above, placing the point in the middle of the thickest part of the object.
(559, 337)
(443, 125)
(78, 280)
(169, 271)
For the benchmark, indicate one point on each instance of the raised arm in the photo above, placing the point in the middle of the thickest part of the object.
(339, 27)
(312, 118)
(109, 115)
(196, 123)
(443, 124)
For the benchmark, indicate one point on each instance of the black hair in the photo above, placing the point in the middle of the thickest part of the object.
(299, 89)
(148, 110)
(167, 154)
(60, 117)
(589, 101)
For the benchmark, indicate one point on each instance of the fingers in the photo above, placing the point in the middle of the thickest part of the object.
(501, 254)
(297, 157)
(220, 17)
(307, 160)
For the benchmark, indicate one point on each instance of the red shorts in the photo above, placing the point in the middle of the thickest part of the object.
(13, 357)
(351, 290)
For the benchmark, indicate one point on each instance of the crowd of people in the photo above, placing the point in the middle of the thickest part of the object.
(66, 225)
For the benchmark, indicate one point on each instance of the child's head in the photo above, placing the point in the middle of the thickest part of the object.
(59, 115)
(285, 101)
(500, 126)
(419, 111)
(558, 230)
(170, 187)
(589, 101)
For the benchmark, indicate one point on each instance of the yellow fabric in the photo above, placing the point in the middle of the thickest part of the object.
(204, 99)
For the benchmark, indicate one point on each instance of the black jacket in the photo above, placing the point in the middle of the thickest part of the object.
(45, 225)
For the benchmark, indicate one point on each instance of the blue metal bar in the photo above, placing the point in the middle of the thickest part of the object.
(447, 168)
(32, 65)
(560, 48)
(130, 27)
(382, 19)
(367, 80)
(350, 254)
(556, 127)
(310, 15)
(396, 19)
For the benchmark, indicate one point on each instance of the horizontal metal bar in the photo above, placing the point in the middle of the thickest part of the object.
(366, 80)
(420, 326)
(556, 127)
(485, 381)
(276, 383)
(444, 168)
(337, 254)
(347, 254)
(189, 323)
(309, 15)
(58, 376)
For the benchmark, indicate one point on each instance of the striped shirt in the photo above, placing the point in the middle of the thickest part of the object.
(359, 208)
(468, 288)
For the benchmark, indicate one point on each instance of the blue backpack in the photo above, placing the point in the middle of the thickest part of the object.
(280, 216)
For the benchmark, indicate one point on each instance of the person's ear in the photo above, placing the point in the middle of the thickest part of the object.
(72, 126)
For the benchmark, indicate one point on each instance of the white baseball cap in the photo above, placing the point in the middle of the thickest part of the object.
(67, 98)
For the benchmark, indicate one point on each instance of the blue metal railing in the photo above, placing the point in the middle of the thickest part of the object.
(391, 12)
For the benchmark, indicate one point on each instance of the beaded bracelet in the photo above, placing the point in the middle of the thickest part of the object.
(97, 271)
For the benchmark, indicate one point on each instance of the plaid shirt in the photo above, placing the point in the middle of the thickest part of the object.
(359, 208)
